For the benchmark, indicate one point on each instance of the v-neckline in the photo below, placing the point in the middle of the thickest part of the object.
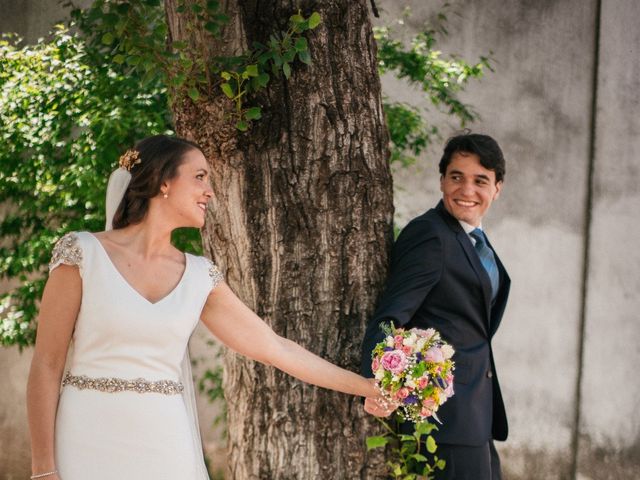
(128, 284)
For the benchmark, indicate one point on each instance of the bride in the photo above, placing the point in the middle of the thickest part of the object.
(129, 301)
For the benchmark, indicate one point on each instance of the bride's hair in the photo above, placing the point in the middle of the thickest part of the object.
(160, 156)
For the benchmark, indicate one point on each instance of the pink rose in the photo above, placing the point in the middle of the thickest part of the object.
(434, 355)
(407, 349)
(429, 403)
(402, 393)
(423, 381)
(395, 361)
(425, 412)
(428, 333)
(449, 390)
(398, 341)
(375, 364)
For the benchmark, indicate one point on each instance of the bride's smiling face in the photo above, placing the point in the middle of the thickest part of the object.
(188, 192)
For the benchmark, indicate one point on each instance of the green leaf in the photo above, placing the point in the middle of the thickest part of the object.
(194, 94)
(301, 44)
(227, 90)
(225, 75)
(376, 442)
(178, 80)
(107, 38)
(133, 60)
(441, 464)
(119, 59)
(424, 428)
(297, 18)
(242, 126)
(264, 57)
(289, 55)
(253, 113)
(212, 27)
(305, 57)
(251, 70)
(263, 79)
(431, 444)
(314, 20)
(286, 69)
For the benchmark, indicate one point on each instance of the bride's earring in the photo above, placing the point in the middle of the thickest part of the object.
(166, 195)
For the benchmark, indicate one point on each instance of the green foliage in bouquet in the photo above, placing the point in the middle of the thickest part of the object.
(406, 457)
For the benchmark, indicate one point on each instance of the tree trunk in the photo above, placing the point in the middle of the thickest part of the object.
(301, 225)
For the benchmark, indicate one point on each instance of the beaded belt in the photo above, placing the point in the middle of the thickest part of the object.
(112, 385)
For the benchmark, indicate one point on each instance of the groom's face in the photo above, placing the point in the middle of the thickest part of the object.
(468, 188)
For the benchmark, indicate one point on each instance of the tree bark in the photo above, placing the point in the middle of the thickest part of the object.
(301, 225)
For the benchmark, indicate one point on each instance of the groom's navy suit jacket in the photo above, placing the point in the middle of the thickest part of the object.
(436, 280)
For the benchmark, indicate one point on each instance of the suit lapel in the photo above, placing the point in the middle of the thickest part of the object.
(472, 257)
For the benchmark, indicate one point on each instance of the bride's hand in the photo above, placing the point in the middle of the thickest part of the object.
(379, 407)
(377, 404)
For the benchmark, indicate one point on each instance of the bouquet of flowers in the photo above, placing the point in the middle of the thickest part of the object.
(413, 368)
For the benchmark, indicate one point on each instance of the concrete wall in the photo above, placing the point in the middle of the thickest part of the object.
(565, 226)
(609, 420)
(557, 231)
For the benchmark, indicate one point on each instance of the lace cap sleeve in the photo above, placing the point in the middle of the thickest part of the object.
(215, 276)
(67, 250)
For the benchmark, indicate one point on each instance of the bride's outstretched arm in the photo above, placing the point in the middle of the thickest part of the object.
(58, 312)
(234, 324)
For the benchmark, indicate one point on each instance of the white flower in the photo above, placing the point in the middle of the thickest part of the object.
(410, 382)
(390, 342)
(379, 374)
(447, 351)
(410, 341)
(420, 344)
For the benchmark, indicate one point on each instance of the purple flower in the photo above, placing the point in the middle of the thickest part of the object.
(388, 349)
(410, 400)
(440, 382)
(419, 356)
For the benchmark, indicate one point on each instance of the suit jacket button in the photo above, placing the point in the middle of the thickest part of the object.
(489, 374)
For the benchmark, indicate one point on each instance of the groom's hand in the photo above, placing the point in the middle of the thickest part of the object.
(378, 407)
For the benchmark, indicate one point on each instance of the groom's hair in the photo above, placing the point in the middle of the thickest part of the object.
(485, 147)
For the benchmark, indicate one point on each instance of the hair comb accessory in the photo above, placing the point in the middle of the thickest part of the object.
(129, 158)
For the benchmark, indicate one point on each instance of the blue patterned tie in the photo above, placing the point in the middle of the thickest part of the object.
(487, 259)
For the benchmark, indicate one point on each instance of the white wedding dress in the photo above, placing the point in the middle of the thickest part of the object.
(109, 426)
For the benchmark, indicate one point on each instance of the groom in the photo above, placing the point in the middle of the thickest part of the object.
(445, 275)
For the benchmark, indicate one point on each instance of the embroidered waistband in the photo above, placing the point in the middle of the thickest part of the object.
(113, 385)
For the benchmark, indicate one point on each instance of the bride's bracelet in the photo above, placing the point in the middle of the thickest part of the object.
(40, 475)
